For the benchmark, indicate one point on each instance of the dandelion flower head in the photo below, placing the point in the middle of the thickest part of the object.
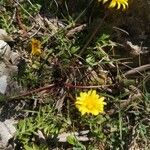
(90, 102)
(119, 3)
(36, 47)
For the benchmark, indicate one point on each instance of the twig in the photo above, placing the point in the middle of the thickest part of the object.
(121, 30)
(46, 88)
(137, 70)
(35, 32)
(33, 91)
(75, 30)
(67, 85)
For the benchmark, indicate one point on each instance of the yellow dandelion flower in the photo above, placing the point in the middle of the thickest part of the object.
(119, 3)
(36, 47)
(90, 102)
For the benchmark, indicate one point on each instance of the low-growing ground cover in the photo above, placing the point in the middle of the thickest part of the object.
(83, 73)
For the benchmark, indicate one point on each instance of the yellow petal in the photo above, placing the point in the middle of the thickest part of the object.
(95, 113)
(124, 6)
(119, 5)
(36, 47)
(104, 1)
(112, 4)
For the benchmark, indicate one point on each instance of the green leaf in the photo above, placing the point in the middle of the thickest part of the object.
(71, 140)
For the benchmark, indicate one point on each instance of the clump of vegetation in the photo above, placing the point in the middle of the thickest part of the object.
(86, 92)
